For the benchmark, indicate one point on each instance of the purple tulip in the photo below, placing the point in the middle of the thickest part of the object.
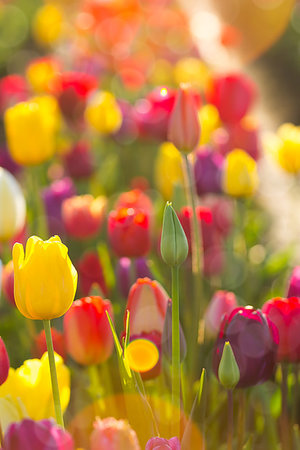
(294, 284)
(254, 341)
(157, 443)
(53, 197)
(128, 271)
(208, 171)
(40, 435)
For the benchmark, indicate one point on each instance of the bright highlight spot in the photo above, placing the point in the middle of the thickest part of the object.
(142, 355)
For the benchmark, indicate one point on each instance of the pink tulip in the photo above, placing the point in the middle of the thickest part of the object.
(222, 302)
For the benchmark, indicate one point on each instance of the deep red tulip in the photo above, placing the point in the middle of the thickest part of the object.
(90, 274)
(40, 345)
(88, 336)
(38, 435)
(233, 95)
(4, 362)
(285, 314)
(222, 302)
(83, 215)
(128, 232)
(294, 283)
(254, 341)
(79, 161)
(8, 282)
(184, 125)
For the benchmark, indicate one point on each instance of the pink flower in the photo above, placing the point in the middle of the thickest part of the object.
(157, 443)
(222, 302)
(113, 434)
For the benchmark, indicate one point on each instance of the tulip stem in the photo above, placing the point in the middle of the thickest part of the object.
(230, 419)
(53, 374)
(175, 350)
(241, 419)
(285, 432)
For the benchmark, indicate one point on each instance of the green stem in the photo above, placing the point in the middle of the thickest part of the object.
(295, 393)
(241, 419)
(53, 374)
(285, 432)
(175, 350)
(230, 420)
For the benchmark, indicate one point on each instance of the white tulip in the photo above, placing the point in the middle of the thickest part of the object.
(12, 206)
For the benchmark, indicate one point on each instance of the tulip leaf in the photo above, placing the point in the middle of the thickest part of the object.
(124, 366)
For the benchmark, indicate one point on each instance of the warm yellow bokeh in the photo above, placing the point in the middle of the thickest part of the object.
(193, 71)
(27, 390)
(45, 279)
(168, 170)
(142, 355)
(240, 177)
(103, 113)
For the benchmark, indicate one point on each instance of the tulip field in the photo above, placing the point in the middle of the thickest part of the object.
(145, 300)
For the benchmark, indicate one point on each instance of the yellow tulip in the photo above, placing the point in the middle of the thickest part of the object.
(191, 70)
(287, 150)
(11, 410)
(48, 24)
(103, 113)
(240, 176)
(30, 384)
(41, 73)
(30, 130)
(45, 280)
(12, 206)
(209, 120)
(168, 169)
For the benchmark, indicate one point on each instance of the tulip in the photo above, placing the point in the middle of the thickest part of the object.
(128, 271)
(113, 434)
(4, 362)
(103, 113)
(232, 94)
(254, 341)
(34, 281)
(286, 148)
(285, 314)
(191, 70)
(210, 120)
(137, 199)
(7, 162)
(79, 161)
(13, 89)
(223, 211)
(228, 372)
(30, 384)
(87, 332)
(240, 177)
(30, 130)
(174, 245)
(8, 282)
(11, 411)
(184, 126)
(156, 443)
(168, 170)
(41, 435)
(41, 73)
(48, 24)
(12, 206)
(294, 283)
(40, 345)
(83, 215)
(53, 197)
(91, 273)
(222, 302)
(128, 232)
(244, 134)
(208, 171)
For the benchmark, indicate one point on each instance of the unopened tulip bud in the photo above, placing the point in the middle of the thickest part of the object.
(229, 373)
(184, 126)
(4, 362)
(174, 245)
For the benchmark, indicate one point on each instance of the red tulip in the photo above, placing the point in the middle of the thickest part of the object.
(40, 345)
(79, 161)
(233, 95)
(285, 314)
(83, 215)
(4, 362)
(13, 89)
(88, 335)
(136, 199)
(184, 125)
(294, 283)
(90, 273)
(128, 232)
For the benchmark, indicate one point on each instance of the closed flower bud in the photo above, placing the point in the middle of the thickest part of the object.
(222, 302)
(103, 113)
(30, 130)
(240, 177)
(285, 314)
(232, 94)
(8, 282)
(87, 332)
(4, 362)
(12, 206)
(37, 435)
(168, 170)
(156, 443)
(254, 342)
(113, 434)
(128, 232)
(34, 281)
(174, 245)
(83, 215)
(184, 126)
(294, 283)
(228, 372)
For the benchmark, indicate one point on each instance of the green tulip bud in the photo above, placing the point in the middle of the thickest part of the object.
(229, 372)
(174, 245)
